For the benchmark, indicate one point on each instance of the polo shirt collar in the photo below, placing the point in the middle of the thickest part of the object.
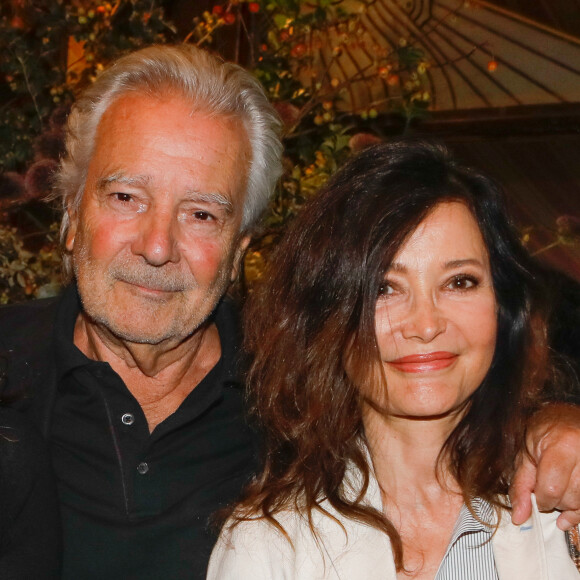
(69, 357)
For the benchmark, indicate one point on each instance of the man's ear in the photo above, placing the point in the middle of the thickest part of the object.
(239, 256)
(72, 229)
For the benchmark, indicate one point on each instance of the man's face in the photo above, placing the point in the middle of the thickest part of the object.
(156, 241)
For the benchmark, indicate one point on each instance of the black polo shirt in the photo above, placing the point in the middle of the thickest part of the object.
(135, 504)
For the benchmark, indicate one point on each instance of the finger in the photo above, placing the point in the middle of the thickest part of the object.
(570, 499)
(568, 519)
(553, 479)
(521, 489)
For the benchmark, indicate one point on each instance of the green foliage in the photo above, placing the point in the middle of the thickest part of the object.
(25, 273)
(52, 49)
(30, 65)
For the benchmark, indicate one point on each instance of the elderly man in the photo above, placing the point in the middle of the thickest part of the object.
(131, 374)
(171, 156)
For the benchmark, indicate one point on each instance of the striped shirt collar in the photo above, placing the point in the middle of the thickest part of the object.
(470, 553)
(483, 521)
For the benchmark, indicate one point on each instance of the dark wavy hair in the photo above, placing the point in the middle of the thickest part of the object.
(310, 329)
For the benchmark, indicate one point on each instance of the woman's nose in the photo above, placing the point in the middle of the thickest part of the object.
(424, 320)
(156, 239)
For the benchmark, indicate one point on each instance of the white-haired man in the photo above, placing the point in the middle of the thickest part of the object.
(171, 156)
(132, 373)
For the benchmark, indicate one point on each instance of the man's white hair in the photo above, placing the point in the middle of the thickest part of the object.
(202, 79)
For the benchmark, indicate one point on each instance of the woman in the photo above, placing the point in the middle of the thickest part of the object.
(399, 350)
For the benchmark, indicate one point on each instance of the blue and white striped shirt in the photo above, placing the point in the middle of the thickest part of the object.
(469, 555)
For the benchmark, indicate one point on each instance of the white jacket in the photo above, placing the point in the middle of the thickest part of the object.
(257, 550)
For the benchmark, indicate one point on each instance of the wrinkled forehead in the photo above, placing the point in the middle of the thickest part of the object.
(141, 139)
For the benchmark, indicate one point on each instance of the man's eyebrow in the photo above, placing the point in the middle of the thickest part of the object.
(213, 198)
(144, 180)
(133, 180)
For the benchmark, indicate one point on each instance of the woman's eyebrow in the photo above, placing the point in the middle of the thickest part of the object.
(464, 262)
(397, 267)
(402, 269)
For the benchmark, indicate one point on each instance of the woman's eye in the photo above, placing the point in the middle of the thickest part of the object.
(462, 282)
(385, 289)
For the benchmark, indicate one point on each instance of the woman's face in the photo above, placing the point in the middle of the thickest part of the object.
(436, 316)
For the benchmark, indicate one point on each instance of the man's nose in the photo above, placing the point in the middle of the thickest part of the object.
(424, 320)
(156, 239)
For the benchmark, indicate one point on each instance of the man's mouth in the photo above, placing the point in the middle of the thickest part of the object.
(154, 282)
(152, 288)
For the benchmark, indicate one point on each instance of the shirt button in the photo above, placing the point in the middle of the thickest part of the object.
(128, 419)
(143, 468)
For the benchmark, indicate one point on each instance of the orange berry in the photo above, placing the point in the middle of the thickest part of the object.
(383, 71)
(298, 50)
(393, 80)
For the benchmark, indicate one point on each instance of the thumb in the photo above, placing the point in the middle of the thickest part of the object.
(521, 490)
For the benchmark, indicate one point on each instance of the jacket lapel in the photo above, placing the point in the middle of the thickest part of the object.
(536, 550)
(519, 550)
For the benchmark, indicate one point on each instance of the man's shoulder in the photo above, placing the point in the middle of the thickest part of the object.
(26, 332)
(30, 308)
(26, 322)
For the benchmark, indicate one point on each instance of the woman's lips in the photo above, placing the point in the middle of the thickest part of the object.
(421, 363)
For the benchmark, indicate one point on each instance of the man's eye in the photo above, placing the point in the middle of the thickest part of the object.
(124, 197)
(462, 282)
(202, 216)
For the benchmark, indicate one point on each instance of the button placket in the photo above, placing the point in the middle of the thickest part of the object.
(128, 419)
(142, 468)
